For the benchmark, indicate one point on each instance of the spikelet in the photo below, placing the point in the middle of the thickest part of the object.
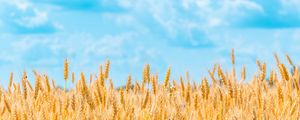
(243, 73)
(37, 86)
(47, 83)
(24, 88)
(11, 78)
(279, 94)
(66, 69)
(111, 85)
(259, 101)
(214, 69)
(18, 88)
(122, 97)
(101, 75)
(65, 105)
(221, 75)
(196, 102)
(15, 114)
(233, 74)
(29, 85)
(166, 83)
(15, 87)
(7, 106)
(98, 87)
(211, 74)
(259, 98)
(83, 83)
(271, 80)
(24, 82)
(205, 88)
(136, 87)
(156, 76)
(82, 108)
(263, 72)
(277, 59)
(101, 71)
(232, 57)
(275, 78)
(2, 111)
(239, 95)
(296, 78)
(146, 74)
(73, 77)
(154, 85)
(107, 66)
(293, 109)
(175, 84)
(128, 84)
(283, 72)
(259, 65)
(289, 60)
(188, 93)
(24, 75)
(103, 95)
(143, 85)
(115, 108)
(73, 102)
(66, 73)
(230, 89)
(182, 86)
(187, 75)
(53, 106)
(53, 85)
(145, 100)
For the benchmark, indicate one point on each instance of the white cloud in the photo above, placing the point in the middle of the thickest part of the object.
(110, 45)
(20, 4)
(214, 22)
(39, 18)
(226, 11)
(22, 16)
(202, 15)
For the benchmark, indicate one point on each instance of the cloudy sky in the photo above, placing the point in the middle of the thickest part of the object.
(185, 34)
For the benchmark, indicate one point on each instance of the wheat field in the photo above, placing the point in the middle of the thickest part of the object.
(268, 94)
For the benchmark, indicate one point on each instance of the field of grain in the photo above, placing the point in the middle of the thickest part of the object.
(266, 95)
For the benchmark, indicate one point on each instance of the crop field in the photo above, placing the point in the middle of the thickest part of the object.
(149, 60)
(267, 95)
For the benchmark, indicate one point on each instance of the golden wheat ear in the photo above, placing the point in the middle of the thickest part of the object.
(166, 83)
(232, 57)
(276, 58)
(107, 67)
(66, 72)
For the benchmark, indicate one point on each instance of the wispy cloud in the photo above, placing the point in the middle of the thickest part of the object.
(279, 14)
(22, 17)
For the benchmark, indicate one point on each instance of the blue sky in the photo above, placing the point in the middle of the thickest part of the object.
(185, 34)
